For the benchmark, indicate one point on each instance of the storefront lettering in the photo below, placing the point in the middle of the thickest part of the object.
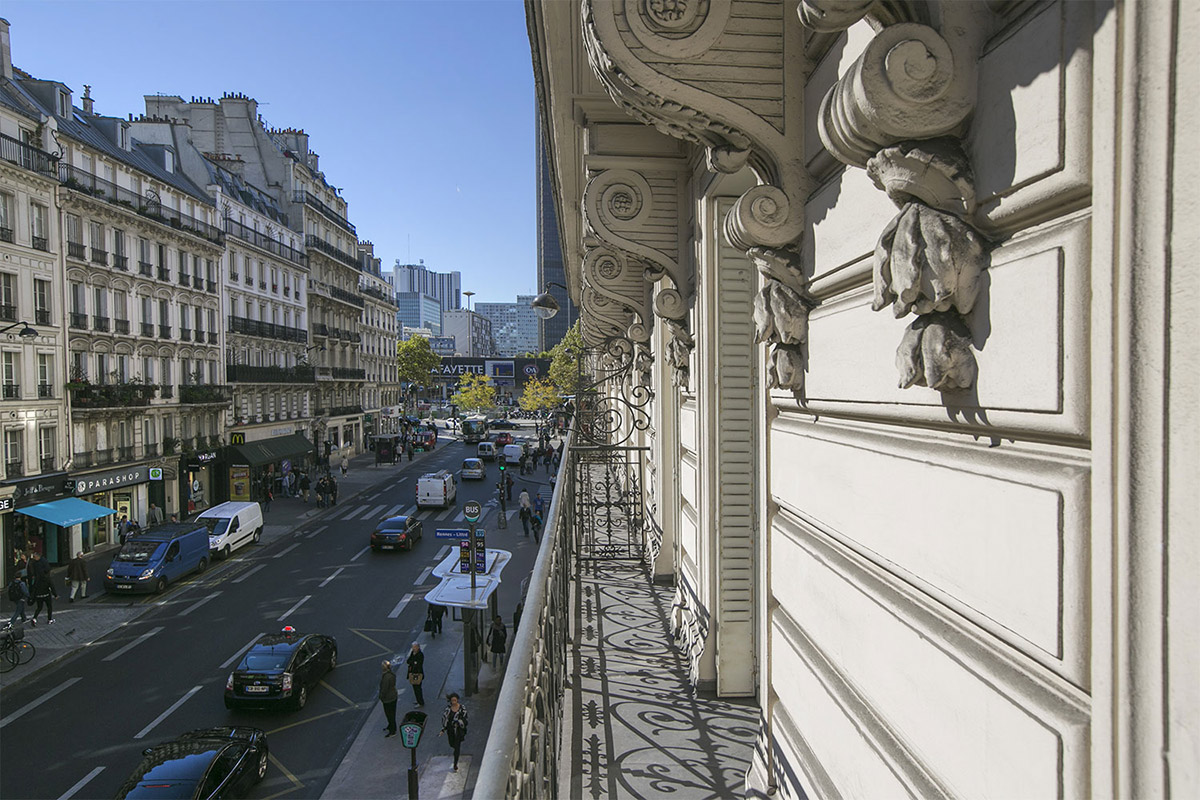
(111, 480)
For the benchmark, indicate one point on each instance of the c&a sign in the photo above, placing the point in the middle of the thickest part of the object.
(112, 479)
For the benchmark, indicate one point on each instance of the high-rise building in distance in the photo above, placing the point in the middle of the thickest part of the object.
(445, 286)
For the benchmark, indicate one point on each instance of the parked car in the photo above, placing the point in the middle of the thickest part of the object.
(204, 763)
(503, 424)
(501, 439)
(473, 469)
(231, 525)
(281, 669)
(396, 533)
(163, 554)
(486, 451)
(436, 489)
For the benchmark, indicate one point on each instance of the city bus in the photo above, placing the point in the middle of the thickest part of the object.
(474, 430)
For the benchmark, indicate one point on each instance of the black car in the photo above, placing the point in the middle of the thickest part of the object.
(503, 425)
(281, 669)
(396, 533)
(205, 763)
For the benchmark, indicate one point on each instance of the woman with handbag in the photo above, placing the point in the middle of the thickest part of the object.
(454, 724)
(416, 672)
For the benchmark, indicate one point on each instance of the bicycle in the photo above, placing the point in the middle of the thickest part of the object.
(14, 649)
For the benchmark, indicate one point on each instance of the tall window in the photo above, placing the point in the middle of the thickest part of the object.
(212, 320)
(38, 215)
(120, 305)
(212, 372)
(8, 297)
(103, 368)
(199, 322)
(183, 263)
(235, 263)
(12, 452)
(10, 368)
(6, 217)
(97, 238)
(183, 317)
(47, 447)
(41, 301)
(121, 368)
(119, 242)
(144, 250)
(147, 311)
(164, 313)
(78, 298)
(148, 439)
(100, 296)
(74, 229)
(45, 374)
(148, 369)
(166, 374)
(79, 365)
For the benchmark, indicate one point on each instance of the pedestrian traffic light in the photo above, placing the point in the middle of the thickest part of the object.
(502, 465)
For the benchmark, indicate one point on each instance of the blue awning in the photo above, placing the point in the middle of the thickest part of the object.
(67, 512)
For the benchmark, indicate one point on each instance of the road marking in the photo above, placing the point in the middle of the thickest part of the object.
(83, 782)
(360, 552)
(445, 551)
(411, 510)
(358, 510)
(424, 574)
(229, 662)
(248, 573)
(286, 550)
(318, 530)
(392, 511)
(400, 606)
(445, 514)
(374, 512)
(336, 572)
(197, 604)
(288, 613)
(47, 696)
(131, 645)
(461, 516)
(166, 713)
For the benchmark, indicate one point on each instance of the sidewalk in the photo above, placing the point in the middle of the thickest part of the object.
(79, 624)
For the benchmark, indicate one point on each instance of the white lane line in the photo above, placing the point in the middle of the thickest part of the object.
(83, 782)
(248, 573)
(229, 662)
(131, 645)
(445, 551)
(445, 514)
(354, 513)
(360, 552)
(166, 713)
(410, 511)
(336, 572)
(288, 613)
(400, 606)
(374, 512)
(31, 706)
(286, 550)
(424, 574)
(460, 516)
(392, 511)
(318, 530)
(197, 604)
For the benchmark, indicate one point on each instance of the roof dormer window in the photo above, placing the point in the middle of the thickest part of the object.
(169, 160)
(64, 104)
(123, 137)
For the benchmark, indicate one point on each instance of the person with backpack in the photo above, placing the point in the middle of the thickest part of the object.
(18, 592)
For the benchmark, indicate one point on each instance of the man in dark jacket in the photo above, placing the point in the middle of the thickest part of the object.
(78, 576)
(388, 696)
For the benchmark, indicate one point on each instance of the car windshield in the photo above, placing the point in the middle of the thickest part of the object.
(138, 550)
(264, 660)
(216, 526)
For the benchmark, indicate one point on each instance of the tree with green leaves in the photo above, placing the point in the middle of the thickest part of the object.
(564, 361)
(415, 360)
(474, 391)
(539, 395)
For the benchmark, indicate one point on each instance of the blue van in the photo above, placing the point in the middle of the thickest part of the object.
(163, 554)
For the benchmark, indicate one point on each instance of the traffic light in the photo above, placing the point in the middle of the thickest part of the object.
(502, 465)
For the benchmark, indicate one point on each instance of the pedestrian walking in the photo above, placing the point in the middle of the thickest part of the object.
(345, 464)
(535, 522)
(408, 448)
(416, 672)
(524, 499)
(508, 485)
(434, 615)
(154, 516)
(77, 575)
(333, 489)
(43, 593)
(268, 496)
(18, 592)
(454, 725)
(388, 696)
(539, 505)
(19, 562)
(497, 640)
(305, 485)
(526, 515)
(548, 458)
(123, 528)
(38, 569)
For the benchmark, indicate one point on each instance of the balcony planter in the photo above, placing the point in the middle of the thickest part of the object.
(170, 445)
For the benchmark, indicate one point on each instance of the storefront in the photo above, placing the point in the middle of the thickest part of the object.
(250, 467)
(196, 490)
(126, 490)
(27, 534)
(64, 526)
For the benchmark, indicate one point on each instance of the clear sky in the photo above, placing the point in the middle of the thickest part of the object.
(422, 111)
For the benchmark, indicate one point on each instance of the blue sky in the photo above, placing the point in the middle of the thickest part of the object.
(422, 111)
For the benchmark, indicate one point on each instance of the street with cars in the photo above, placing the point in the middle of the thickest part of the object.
(78, 727)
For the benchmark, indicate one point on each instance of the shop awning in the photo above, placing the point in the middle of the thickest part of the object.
(66, 512)
(268, 451)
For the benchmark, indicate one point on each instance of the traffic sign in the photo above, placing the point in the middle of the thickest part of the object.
(472, 510)
(451, 533)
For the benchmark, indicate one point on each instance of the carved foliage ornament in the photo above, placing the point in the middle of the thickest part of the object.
(898, 111)
(781, 315)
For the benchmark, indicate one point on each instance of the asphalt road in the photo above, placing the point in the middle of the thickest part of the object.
(82, 723)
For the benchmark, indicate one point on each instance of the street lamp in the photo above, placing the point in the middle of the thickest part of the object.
(28, 333)
(469, 295)
(545, 306)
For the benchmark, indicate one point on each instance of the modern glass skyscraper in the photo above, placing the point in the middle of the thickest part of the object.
(419, 279)
(549, 254)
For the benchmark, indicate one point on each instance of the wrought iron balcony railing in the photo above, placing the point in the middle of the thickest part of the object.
(205, 393)
(268, 330)
(77, 250)
(243, 373)
(100, 324)
(149, 207)
(14, 151)
(321, 246)
(78, 321)
(121, 326)
(10, 391)
(264, 242)
(147, 329)
(14, 468)
(8, 312)
(45, 391)
(99, 256)
(41, 316)
(6, 234)
(311, 200)
(41, 243)
(120, 262)
(164, 274)
(146, 268)
(110, 395)
(349, 373)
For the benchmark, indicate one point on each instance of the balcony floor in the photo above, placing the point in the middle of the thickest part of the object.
(636, 727)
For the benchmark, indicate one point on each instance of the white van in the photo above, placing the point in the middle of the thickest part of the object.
(513, 453)
(486, 451)
(436, 489)
(231, 525)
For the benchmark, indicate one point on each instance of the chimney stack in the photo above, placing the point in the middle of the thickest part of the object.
(5, 51)
(87, 99)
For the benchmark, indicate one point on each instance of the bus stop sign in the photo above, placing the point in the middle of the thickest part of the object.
(471, 510)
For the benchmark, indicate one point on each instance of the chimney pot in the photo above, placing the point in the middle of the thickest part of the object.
(6, 67)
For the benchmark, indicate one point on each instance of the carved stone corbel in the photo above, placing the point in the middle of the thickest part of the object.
(899, 111)
(781, 315)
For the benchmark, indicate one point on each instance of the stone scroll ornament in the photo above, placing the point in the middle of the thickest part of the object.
(781, 315)
(899, 112)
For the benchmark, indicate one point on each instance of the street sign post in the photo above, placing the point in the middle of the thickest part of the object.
(411, 728)
(451, 533)
(472, 510)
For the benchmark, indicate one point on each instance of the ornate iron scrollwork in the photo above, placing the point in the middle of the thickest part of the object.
(613, 401)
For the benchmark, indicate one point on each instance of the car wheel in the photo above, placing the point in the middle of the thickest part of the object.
(258, 534)
(301, 698)
(203, 565)
(261, 772)
(160, 585)
(225, 553)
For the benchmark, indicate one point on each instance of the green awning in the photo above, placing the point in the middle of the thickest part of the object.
(268, 451)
